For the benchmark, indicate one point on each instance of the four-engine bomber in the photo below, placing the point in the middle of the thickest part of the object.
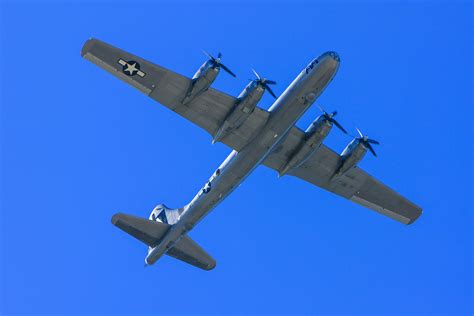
(258, 137)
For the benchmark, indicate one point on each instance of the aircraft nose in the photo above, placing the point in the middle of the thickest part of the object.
(333, 55)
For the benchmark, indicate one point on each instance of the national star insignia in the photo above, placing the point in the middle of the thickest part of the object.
(131, 68)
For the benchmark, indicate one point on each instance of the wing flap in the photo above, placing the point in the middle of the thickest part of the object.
(190, 252)
(145, 230)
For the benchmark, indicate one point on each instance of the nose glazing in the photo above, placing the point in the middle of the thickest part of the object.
(334, 56)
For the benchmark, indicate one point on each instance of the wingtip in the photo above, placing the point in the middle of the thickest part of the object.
(87, 46)
(414, 219)
(115, 218)
(211, 266)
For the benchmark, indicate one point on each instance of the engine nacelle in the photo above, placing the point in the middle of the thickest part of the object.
(314, 137)
(350, 157)
(202, 80)
(244, 106)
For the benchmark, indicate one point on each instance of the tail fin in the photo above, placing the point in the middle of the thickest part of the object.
(164, 214)
(151, 232)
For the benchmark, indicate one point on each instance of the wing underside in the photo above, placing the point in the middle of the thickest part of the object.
(355, 185)
(207, 111)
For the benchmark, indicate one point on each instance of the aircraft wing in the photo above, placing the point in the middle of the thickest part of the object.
(355, 185)
(207, 110)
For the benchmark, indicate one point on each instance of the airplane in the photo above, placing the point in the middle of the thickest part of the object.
(257, 137)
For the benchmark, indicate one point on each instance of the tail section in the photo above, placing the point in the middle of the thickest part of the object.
(190, 252)
(147, 231)
(154, 230)
(162, 213)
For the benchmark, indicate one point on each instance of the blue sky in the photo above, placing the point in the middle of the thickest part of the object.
(78, 145)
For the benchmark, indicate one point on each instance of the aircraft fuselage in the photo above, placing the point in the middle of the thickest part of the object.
(284, 113)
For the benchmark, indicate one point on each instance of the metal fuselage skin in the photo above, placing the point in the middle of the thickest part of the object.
(284, 113)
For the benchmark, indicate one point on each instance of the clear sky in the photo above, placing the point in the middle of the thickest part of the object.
(78, 145)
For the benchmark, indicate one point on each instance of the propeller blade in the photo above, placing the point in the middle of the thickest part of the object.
(337, 124)
(360, 133)
(334, 113)
(256, 74)
(325, 114)
(209, 56)
(228, 70)
(373, 141)
(219, 55)
(270, 90)
(371, 149)
(270, 82)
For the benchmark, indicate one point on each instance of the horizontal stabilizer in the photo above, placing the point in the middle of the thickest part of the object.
(145, 230)
(152, 232)
(190, 252)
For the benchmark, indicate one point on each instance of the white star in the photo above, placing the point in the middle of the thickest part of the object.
(131, 68)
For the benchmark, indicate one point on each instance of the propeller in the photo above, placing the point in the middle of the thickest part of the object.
(330, 118)
(264, 82)
(366, 141)
(217, 62)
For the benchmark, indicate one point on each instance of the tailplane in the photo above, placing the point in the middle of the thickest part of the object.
(147, 231)
(190, 252)
(152, 231)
